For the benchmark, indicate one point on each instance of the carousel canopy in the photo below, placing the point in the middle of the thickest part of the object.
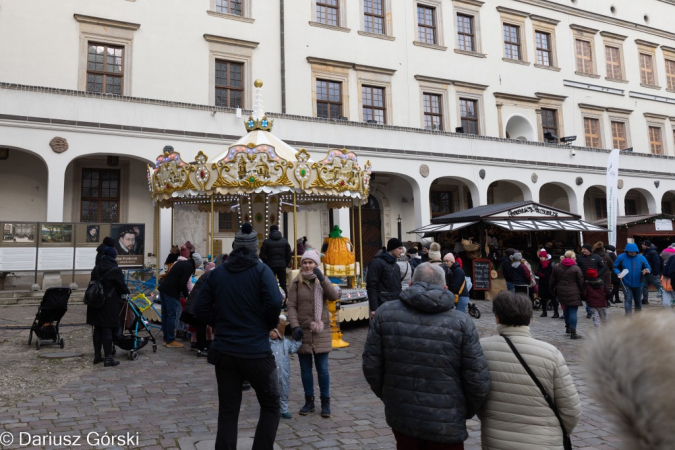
(259, 163)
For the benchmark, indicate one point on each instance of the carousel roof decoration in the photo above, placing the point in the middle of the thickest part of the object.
(260, 162)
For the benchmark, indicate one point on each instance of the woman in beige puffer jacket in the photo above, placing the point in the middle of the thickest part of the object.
(310, 321)
(515, 415)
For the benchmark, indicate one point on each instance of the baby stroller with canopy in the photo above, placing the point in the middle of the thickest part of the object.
(52, 308)
(134, 323)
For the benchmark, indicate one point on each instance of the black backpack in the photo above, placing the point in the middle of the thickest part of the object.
(94, 296)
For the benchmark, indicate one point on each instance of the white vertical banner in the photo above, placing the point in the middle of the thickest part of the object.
(612, 195)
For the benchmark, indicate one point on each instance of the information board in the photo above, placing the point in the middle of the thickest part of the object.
(17, 259)
(55, 258)
(663, 225)
(85, 258)
(482, 275)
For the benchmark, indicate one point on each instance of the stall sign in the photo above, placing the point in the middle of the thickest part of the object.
(663, 225)
(532, 210)
(482, 275)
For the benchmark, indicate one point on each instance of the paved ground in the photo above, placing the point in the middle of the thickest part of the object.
(169, 400)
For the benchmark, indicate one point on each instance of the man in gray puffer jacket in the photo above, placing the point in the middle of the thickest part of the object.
(424, 360)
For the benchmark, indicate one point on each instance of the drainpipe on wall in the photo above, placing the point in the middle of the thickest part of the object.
(283, 57)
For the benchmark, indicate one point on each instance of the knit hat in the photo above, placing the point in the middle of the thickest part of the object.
(435, 252)
(647, 243)
(246, 238)
(190, 247)
(110, 252)
(199, 261)
(313, 255)
(669, 250)
(404, 257)
(393, 244)
(610, 247)
(517, 256)
(598, 245)
(591, 273)
(184, 252)
(274, 228)
(209, 267)
(587, 247)
(450, 258)
(543, 254)
(108, 241)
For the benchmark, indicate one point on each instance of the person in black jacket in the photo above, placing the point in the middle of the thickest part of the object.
(188, 315)
(506, 269)
(423, 359)
(455, 281)
(544, 271)
(106, 319)
(276, 253)
(242, 301)
(383, 281)
(589, 260)
(616, 283)
(174, 285)
(652, 278)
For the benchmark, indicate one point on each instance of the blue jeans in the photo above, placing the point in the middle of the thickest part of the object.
(510, 287)
(650, 279)
(321, 362)
(632, 294)
(570, 316)
(170, 307)
(462, 304)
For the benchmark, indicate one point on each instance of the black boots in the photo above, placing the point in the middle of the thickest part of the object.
(574, 334)
(98, 358)
(309, 405)
(543, 309)
(555, 313)
(568, 330)
(110, 362)
(325, 406)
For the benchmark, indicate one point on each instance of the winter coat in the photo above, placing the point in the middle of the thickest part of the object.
(635, 265)
(300, 305)
(592, 261)
(651, 254)
(99, 254)
(114, 287)
(544, 274)
(171, 258)
(669, 267)
(177, 279)
(189, 307)
(423, 359)
(383, 281)
(520, 275)
(454, 277)
(415, 261)
(282, 349)
(406, 273)
(608, 262)
(595, 293)
(612, 256)
(506, 270)
(241, 300)
(516, 416)
(275, 251)
(567, 283)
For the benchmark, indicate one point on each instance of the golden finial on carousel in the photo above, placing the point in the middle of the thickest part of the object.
(258, 83)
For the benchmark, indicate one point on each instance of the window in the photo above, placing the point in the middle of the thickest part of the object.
(100, 199)
(433, 112)
(229, 7)
(549, 121)
(426, 24)
(327, 12)
(543, 46)
(229, 86)
(105, 71)
(584, 56)
(666, 207)
(613, 60)
(631, 207)
(373, 104)
(619, 135)
(468, 111)
(670, 74)
(600, 208)
(374, 16)
(655, 141)
(646, 69)
(592, 132)
(465, 33)
(328, 99)
(512, 42)
(441, 203)
(226, 222)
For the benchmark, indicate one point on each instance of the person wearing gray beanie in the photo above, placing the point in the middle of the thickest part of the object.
(199, 261)
(246, 238)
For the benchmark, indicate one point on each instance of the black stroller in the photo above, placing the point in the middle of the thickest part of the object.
(135, 323)
(52, 308)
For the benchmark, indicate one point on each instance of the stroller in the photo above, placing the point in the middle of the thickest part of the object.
(52, 308)
(133, 323)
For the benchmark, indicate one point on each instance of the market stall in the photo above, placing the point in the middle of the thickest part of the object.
(260, 177)
(658, 228)
(483, 234)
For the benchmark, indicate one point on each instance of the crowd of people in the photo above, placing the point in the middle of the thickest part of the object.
(519, 387)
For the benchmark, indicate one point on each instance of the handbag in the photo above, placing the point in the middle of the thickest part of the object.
(567, 443)
(666, 284)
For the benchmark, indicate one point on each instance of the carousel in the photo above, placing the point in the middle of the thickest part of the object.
(260, 178)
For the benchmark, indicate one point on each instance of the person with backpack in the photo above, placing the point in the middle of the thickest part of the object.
(405, 268)
(567, 283)
(595, 294)
(104, 313)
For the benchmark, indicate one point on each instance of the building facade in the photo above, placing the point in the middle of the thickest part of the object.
(456, 103)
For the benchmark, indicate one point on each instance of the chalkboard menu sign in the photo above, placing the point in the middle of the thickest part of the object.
(482, 277)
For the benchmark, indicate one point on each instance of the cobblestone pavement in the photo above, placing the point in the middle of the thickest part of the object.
(170, 399)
